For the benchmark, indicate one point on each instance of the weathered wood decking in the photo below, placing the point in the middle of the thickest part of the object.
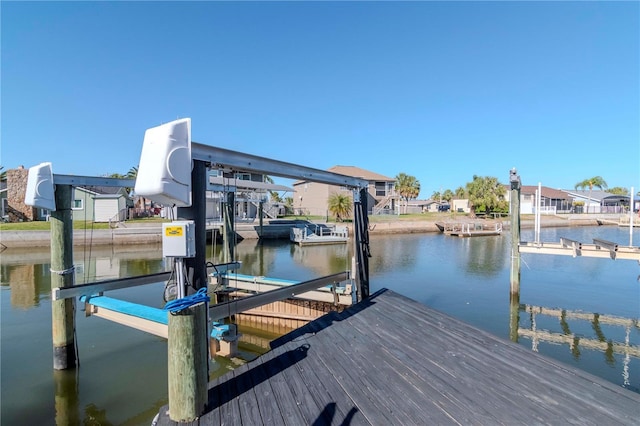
(391, 360)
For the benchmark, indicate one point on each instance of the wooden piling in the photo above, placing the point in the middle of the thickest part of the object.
(515, 231)
(62, 275)
(187, 369)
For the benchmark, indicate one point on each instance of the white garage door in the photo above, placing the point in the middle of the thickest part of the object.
(105, 209)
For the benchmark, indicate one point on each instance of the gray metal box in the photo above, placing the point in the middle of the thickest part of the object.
(178, 239)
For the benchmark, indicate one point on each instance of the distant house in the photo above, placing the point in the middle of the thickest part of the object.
(420, 206)
(100, 204)
(250, 191)
(424, 206)
(460, 205)
(312, 198)
(551, 201)
(592, 199)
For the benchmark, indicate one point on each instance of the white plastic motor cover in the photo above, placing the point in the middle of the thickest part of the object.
(164, 172)
(40, 189)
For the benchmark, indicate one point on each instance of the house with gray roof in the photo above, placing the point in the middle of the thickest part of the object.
(552, 201)
(592, 199)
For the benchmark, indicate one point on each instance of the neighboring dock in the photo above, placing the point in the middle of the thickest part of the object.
(391, 360)
(470, 228)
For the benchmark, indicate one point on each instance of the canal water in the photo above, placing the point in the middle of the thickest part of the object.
(581, 311)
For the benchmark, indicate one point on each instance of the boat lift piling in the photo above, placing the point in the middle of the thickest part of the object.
(63, 317)
(632, 205)
(54, 192)
(514, 199)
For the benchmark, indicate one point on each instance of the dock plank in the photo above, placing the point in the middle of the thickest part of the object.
(391, 360)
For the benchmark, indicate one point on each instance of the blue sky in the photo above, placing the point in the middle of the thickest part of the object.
(438, 90)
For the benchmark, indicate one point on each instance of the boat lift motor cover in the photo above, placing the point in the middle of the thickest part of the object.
(164, 173)
(40, 190)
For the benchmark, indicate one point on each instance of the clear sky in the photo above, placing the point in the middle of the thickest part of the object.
(438, 90)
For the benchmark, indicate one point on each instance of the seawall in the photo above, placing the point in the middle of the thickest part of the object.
(153, 234)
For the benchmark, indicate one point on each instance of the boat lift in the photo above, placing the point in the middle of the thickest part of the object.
(599, 248)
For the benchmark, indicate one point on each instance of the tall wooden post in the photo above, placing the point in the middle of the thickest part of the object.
(196, 266)
(229, 232)
(62, 275)
(187, 369)
(515, 230)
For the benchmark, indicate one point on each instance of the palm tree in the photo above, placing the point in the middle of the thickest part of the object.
(340, 205)
(447, 195)
(408, 187)
(274, 195)
(132, 173)
(596, 181)
(460, 193)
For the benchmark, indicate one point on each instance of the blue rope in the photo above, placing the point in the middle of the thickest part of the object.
(180, 304)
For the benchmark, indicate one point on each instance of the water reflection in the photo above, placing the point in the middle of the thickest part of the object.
(483, 255)
(579, 332)
(322, 260)
(66, 397)
(27, 272)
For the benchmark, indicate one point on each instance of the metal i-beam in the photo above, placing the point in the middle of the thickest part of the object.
(226, 309)
(92, 181)
(120, 283)
(239, 161)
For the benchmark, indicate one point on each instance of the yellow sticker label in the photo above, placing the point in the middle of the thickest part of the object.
(173, 231)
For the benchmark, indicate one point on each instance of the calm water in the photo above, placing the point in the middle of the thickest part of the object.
(122, 377)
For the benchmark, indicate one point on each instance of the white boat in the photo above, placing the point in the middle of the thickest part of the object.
(318, 233)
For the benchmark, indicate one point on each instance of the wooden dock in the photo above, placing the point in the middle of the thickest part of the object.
(470, 229)
(390, 360)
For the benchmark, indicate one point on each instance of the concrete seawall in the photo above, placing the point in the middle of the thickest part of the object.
(153, 234)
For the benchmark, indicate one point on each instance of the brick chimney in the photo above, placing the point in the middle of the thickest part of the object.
(17, 210)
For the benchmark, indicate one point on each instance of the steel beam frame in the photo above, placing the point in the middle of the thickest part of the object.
(238, 161)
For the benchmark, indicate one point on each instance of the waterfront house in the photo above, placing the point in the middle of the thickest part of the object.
(421, 206)
(589, 201)
(251, 190)
(552, 201)
(100, 204)
(312, 198)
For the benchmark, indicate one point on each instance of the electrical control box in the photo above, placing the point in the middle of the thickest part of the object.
(178, 239)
